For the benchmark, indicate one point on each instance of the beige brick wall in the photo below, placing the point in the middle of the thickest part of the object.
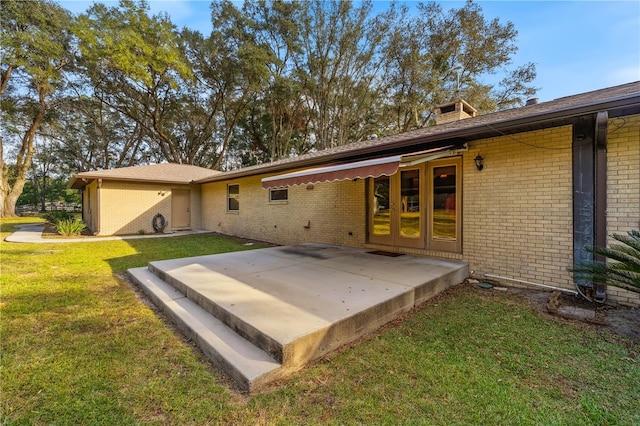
(517, 217)
(129, 207)
(328, 213)
(517, 212)
(623, 175)
(623, 187)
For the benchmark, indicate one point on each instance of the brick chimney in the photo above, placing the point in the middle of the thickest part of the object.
(454, 111)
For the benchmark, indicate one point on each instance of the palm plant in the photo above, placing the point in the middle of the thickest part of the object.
(622, 272)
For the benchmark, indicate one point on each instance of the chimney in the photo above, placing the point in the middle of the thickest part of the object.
(454, 111)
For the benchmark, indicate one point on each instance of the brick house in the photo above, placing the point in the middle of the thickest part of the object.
(516, 193)
(126, 200)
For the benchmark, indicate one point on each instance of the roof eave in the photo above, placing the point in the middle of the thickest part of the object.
(79, 181)
(485, 130)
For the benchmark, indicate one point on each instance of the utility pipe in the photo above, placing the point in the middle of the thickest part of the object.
(566, 290)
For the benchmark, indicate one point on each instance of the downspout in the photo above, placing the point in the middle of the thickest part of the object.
(589, 164)
(97, 212)
(600, 219)
(84, 218)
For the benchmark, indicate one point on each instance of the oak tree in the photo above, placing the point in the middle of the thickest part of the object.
(36, 48)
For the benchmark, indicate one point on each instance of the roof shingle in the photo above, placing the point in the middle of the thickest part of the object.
(161, 173)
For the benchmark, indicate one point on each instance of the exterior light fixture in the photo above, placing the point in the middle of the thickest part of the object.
(478, 161)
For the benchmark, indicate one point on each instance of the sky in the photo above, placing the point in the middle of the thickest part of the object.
(577, 46)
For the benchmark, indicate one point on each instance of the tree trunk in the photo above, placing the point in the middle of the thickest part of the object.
(9, 194)
(4, 181)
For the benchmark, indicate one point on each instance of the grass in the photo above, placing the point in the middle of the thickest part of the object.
(80, 347)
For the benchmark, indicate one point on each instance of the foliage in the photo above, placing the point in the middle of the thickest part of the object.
(624, 269)
(135, 65)
(274, 79)
(57, 216)
(70, 227)
(55, 191)
(46, 180)
(281, 78)
(86, 134)
(80, 347)
(440, 55)
(36, 51)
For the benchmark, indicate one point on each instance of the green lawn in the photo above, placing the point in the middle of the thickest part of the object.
(80, 347)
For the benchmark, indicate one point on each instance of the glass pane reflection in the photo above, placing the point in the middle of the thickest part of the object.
(444, 202)
(381, 206)
(410, 212)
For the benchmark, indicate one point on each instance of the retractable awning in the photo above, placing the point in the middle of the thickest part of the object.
(384, 166)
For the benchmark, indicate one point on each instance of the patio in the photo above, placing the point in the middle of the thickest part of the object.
(262, 314)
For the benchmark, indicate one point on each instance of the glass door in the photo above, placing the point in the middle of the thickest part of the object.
(409, 212)
(380, 210)
(444, 214)
(395, 209)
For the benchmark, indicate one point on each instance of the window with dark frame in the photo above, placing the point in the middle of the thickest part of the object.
(233, 193)
(278, 194)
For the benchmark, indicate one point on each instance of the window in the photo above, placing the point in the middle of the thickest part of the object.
(278, 194)
(233, 193)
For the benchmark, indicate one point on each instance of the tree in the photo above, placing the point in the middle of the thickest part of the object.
(36, 48)
(339, 69)
(137, 69)
(277, 124)
(89, 135)
(230, 69)
(436, 56)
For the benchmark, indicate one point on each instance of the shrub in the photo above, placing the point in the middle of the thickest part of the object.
(57, 216)
(624, 269)
(68, 227)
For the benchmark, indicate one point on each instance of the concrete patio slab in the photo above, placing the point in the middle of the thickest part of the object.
(298, 303)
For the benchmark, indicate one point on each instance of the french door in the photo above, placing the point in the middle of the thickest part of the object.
(418, 207)
(444, 224)
(396, 209)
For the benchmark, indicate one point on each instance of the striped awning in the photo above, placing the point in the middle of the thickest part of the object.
(373, 168)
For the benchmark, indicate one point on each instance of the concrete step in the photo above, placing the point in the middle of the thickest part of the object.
(296, 319)
(248, 365)
(208, 293)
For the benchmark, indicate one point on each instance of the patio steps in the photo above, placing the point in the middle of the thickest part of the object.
(263, 314)
(244, 362)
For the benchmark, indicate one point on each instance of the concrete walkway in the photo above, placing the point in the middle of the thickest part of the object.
(32, 233)
(262, 314)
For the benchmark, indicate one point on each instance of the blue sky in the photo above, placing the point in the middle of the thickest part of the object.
(577, 46)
